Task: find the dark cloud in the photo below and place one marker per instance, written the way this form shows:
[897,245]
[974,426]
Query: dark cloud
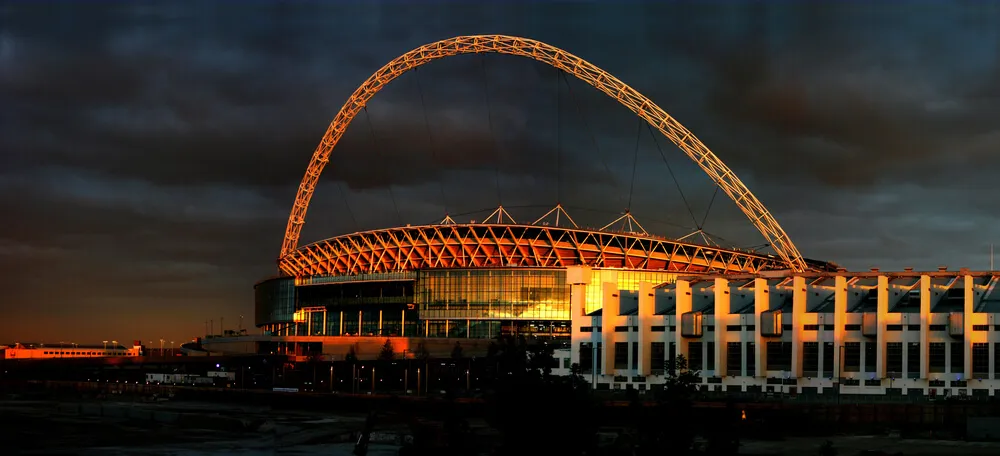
[149,153]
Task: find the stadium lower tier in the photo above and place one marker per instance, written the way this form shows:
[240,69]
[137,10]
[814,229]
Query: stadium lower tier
[906,333]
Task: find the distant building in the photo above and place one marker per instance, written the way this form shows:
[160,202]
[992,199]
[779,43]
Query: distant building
[43,351]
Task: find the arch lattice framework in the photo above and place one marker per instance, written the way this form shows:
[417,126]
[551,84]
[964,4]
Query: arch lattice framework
[721,174]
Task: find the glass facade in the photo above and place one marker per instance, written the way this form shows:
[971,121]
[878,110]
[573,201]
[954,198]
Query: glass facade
[454,303]
[628,280]
[493,294]
[274,301]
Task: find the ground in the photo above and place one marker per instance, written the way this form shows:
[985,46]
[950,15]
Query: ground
[854,445]
[112,428]
[50,428]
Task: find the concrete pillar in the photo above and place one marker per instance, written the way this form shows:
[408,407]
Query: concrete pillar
[577,277]
[646,308]
[611,308]
[925,324]
[761,303]
[839,322]
[882,292]
[968,310]
[685,303]
[799,303]
[722,309]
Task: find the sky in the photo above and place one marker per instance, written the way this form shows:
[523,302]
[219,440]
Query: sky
[149,153]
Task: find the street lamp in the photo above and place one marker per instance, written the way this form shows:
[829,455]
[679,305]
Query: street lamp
[114,345]
[105,347]
[171,348]
[161,347]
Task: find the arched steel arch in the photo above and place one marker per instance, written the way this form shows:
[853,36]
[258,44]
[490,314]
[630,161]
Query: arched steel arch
[555,57]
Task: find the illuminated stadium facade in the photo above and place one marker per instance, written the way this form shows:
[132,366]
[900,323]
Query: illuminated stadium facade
[619,302]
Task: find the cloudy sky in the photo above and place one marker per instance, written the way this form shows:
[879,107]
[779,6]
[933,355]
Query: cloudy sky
[149,155]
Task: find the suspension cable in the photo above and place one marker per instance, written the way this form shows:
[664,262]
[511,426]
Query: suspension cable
[489,116]
[635,162]
[430,138]
[347,204]
[583,116]
[673,176]
[709,209]
[385,169]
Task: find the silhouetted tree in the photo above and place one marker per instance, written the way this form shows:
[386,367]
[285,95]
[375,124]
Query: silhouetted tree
[351,357]
[524,382]
[387,353]
[674,405]
[421,352]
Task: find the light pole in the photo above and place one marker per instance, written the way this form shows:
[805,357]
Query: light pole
[105,348]
[161,347]
[171,348]
[114,345]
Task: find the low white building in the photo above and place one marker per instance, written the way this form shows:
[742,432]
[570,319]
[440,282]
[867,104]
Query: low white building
[914,333]
[57,351]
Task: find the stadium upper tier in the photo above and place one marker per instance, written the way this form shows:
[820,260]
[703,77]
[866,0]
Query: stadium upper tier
[512,245]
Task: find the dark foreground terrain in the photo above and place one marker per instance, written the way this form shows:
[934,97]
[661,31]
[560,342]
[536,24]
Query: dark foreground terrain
[181,428]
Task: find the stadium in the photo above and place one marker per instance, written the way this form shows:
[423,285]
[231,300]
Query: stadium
[617,300]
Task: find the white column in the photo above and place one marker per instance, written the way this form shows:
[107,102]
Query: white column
[609,314]
[799,303]
[839,322]
[721,309]
[645,317]
[685,303]
[967,320]
[883,317]
[761,303]
[925,324]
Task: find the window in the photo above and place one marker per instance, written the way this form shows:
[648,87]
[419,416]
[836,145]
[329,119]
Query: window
[751,360]
[621,355]
[658,357]
[980,360]
[913,360]
[893,359]
[936,355]
[828,360]
[695,356]
[852,357]
[958,357]
[996,360]
[779,356]
[635,355]
[871,359]
[586,357]
[734,359]
[810,359]
[672,352]
[710,357]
